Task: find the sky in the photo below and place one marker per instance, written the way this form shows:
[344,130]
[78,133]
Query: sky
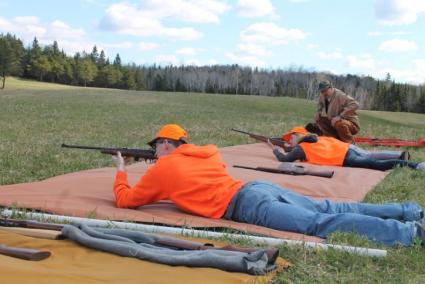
[362,37]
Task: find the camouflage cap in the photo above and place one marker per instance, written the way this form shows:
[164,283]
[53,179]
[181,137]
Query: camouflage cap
[323,85]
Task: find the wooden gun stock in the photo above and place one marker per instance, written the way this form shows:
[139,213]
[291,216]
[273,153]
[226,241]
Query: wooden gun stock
[293,170]
[24,253]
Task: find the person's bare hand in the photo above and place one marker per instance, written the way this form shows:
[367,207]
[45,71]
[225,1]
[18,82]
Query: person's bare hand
[271,145]
[120,162]
[335,120]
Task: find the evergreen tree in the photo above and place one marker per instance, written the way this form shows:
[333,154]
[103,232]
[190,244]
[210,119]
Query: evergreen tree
[117,61]
[102,60]
[85,70]
[6,60]
[94,55]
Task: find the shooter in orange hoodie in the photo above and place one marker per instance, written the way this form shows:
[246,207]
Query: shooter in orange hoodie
[329,151]
[195,179]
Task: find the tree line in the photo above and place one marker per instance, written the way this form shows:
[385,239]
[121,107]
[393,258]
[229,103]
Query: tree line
[51,64]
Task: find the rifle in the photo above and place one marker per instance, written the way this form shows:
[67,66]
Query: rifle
[125,152]
[169,242]
[290,169]
[24,253]
[275,141]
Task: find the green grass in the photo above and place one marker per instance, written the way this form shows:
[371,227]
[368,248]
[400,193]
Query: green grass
[36,118]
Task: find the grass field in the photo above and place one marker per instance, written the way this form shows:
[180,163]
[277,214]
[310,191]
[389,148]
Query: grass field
[36,118]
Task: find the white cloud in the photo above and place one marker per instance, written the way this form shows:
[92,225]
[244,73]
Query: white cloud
[58,29]
[30,20]
[166,59]
[6,26]
[193,62]
[414,74]
[312,46]
[398,45]
[330,55]
[147,19]
[399,33]
[146,46]
[398,12]
[253,49]
[270,34]
[245,60]
[70,39]
[255,8]
[71,47]
[394,33]
[188,51]
[125,18]
[119,45]
[196,11]
[419,71]
[212,62]
[363,61]
[257,38]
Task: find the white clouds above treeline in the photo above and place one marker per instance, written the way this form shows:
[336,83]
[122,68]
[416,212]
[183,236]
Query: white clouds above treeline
[149,17]
[398,12]
[398,45]
[255,8]
[26,28]
[257,40]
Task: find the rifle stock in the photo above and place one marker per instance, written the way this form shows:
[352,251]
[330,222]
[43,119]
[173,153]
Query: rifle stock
[301,170]
[286,171]
[24,253]
[135,153]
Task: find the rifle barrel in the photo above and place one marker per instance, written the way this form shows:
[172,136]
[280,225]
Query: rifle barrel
[82,147]
[240,131]
[244,167]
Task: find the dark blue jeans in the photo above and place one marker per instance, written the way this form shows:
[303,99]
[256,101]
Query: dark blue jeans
[358,159]
[266,204]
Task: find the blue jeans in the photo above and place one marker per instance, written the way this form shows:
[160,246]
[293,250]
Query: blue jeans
[357,159]
[266,204]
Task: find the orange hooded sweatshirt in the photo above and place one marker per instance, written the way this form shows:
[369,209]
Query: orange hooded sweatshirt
[193,177]
[326,151]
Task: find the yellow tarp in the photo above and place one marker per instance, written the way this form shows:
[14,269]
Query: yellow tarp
[72,263]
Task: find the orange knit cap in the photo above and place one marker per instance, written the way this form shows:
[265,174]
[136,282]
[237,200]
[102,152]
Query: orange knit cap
[170,131]
[297,129]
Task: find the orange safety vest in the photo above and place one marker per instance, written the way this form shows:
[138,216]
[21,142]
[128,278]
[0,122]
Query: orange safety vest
[193,177]
[326,151]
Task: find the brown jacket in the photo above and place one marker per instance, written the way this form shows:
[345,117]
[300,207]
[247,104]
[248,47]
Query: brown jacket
[340,104]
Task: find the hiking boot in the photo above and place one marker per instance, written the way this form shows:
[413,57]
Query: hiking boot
[420,166]
[313,128]
[405,155]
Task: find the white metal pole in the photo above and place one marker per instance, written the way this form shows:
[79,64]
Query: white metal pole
[195,233]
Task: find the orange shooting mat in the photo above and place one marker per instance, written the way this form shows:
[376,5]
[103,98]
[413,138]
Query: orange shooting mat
[89,193]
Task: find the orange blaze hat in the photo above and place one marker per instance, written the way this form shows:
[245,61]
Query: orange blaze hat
[170,131]
[297,129]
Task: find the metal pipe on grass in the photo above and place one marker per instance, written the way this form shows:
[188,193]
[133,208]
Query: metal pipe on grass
[196,233]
